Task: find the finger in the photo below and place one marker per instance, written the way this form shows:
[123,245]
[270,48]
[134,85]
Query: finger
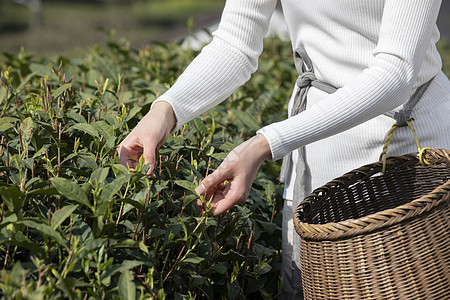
[210,199]
[127,155]
[209,195]
[224,198]
[123,154]
[149,154]
[212,181]
[230,196]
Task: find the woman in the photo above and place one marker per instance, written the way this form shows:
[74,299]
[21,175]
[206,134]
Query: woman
[376,53]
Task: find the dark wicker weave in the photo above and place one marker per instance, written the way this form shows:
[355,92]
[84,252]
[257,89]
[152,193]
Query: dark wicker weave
[368,235]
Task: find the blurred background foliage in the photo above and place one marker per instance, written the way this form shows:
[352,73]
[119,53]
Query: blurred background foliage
[69,27]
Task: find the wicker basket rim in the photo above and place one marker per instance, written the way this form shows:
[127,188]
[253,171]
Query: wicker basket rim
[366,224]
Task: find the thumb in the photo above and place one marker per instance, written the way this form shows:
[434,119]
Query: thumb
[211,181]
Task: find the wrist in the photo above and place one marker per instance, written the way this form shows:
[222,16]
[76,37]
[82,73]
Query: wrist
[262,147]
[165,109]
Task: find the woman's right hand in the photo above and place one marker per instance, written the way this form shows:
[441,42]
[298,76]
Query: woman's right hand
[150,133]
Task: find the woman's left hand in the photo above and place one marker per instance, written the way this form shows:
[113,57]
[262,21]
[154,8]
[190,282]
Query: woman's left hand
[230,183]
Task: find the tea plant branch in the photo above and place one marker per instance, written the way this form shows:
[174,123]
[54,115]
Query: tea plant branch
[141,213]
[144,283]
[3,211]
[203,220]
[175,263]
[182,203]
[273,212]
[238,242]
[19,132]
[234,222]
[6,256]
[121,204]
[1,145]
[147,203]
[247,256]
[7,164]
[59,150]
[215,235]
[119,214]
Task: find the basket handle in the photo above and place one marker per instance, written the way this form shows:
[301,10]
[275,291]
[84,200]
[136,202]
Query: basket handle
[383,156]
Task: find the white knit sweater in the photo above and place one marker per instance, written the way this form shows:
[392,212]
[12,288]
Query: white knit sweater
[376,52]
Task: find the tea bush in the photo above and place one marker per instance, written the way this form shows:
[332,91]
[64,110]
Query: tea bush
[76,224]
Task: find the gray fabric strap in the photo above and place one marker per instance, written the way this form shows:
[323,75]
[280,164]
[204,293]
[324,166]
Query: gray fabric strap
[305,80]
[404,115]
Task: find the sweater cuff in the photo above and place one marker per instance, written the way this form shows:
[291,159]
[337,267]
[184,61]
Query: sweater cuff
[273,138]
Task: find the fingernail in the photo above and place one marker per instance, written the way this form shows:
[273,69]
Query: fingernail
[201,189]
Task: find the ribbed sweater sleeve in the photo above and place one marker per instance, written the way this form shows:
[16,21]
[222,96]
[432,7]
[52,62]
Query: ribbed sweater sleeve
[404,37]
[224,64]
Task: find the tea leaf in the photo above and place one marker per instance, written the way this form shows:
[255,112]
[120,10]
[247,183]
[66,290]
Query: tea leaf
[127,288]
[13,198]
[40,69]
[99,175]
[132,202]
[44,191]
[186,184]
[87,128]
[76,117]
[247,119]
[44,230]
[70,190]
[61,215]
[125,265]
[7,122]
[25,81]
[112,188]
[268,227]
[104,129]
[193,260]
[3,94]
[25,243]
[61,89]
[133,112]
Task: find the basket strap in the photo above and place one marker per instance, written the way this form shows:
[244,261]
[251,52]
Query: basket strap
[404,115]
[403,118]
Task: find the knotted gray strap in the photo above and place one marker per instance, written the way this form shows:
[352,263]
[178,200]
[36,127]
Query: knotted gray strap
[305,80]
[404,115]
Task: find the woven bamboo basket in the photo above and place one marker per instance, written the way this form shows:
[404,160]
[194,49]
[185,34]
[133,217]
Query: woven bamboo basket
[373,235]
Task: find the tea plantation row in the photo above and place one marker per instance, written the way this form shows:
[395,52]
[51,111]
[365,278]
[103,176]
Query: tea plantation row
[76,224]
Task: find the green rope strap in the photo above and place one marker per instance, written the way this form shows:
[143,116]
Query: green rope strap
[383,156]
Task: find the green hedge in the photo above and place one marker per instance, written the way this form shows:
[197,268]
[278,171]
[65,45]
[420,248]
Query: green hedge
[76,224]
